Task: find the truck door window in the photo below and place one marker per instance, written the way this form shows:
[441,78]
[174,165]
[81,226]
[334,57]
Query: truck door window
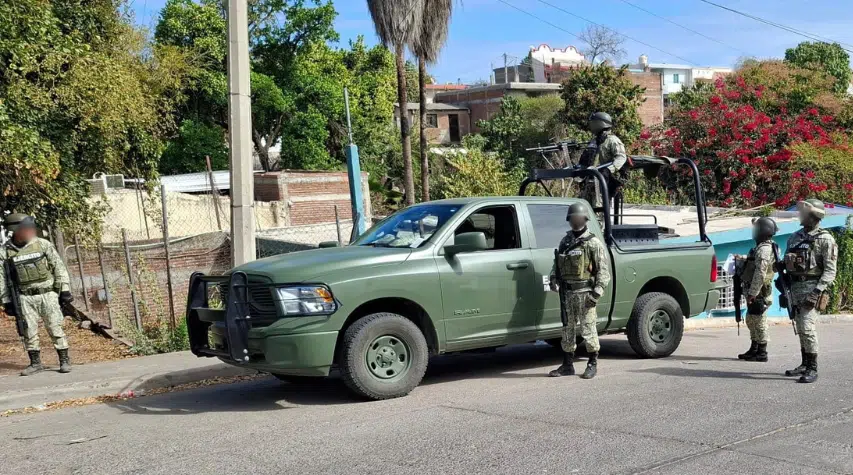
[499,224]
[549,224]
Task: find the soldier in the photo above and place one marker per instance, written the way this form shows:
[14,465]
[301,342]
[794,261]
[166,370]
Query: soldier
[42,280]
[611,151]
[756,276]
[585,275]
[810,261]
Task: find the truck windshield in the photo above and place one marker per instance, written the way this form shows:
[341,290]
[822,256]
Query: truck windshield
[410,227]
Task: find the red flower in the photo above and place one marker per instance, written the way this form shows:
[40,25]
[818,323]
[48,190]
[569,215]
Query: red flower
[813,111]
[809,174]
[727,186]
[645,134]
[716,100]
[797,175]
[746,194]
[830,205]
[708,172]
[848,186]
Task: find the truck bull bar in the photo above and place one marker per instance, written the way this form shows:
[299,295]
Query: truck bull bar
[235,316]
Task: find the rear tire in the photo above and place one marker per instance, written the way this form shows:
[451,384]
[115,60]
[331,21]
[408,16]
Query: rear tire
[383,356]
[656,325]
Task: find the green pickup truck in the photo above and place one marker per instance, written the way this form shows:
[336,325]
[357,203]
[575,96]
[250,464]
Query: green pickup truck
[440,277]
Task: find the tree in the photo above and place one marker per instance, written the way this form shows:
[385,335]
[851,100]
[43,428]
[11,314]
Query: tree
[602,44]
[80,92]
[603,88]
[477,173]
[521,124]
[503,131]
[828,57]
[396,23]
[435,21]
[195,142]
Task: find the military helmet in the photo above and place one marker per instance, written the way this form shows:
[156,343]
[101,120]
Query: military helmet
[763,228]
[599,121]
[812,207]
[15,221]
[577,209]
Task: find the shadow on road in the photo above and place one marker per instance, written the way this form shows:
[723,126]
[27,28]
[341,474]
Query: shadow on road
[710,373]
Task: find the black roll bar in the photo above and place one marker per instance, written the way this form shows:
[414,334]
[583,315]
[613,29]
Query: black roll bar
[538,175]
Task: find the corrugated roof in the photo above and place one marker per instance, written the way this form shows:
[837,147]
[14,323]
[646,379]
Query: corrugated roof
[196,182]
[435,106]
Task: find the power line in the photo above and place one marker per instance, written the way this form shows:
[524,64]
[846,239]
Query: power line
[789,29]
[611,29]
[685,28]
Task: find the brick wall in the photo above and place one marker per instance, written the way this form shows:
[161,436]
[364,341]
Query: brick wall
[310,197]
[651,111]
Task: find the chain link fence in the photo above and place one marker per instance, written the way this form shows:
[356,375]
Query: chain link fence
[135,278]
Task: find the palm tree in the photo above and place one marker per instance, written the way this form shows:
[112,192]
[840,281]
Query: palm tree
[397,23]
[435,20]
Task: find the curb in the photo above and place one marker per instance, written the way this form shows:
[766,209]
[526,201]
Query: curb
[729,322]
[12,400]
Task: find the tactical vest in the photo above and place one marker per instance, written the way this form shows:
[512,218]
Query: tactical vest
[801,261]
[576,262]
[749,269]
[30,263]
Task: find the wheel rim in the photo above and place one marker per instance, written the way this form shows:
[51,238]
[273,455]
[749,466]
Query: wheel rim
[660,326]
[388,358]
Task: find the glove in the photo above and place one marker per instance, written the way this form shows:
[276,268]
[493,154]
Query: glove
[10,310]
[65,297]
[812,298]
[552,282]
[592,299]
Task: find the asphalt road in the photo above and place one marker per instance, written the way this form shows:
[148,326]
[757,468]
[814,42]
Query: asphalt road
[700,411]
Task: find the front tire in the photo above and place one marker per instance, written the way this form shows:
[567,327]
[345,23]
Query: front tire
[656,325]
[383,356]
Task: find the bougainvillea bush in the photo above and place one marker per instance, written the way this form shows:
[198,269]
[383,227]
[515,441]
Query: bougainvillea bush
[760,136]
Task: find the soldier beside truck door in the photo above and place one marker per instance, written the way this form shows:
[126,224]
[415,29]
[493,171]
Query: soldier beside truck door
[42,282]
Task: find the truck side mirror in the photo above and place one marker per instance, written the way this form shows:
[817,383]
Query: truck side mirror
[466,242]
[326,244]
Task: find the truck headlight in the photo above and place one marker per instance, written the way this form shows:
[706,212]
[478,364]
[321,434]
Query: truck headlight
[305,300]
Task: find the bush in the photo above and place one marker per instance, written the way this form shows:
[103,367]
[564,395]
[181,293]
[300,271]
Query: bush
[157,337]
[841,292]
[475,172]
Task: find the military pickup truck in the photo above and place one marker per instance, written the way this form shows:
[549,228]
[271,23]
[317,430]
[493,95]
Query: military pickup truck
[440,277]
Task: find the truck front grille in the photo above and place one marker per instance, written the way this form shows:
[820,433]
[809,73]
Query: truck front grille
[262,307]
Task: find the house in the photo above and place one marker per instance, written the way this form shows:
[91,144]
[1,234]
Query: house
[446,124]
[543,58]
[433,89]
[678,76]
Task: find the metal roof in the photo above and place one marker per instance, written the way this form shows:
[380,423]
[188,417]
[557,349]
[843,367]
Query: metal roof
[196,182]
[435,106]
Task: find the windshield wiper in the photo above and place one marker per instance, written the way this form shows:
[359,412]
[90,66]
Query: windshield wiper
[376,244]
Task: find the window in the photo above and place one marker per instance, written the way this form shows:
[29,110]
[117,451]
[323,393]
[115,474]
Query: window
[676,79]
[410,227]
[549,224]
[497,223]
[432,121]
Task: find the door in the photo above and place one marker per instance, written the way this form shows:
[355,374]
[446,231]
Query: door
[548,225]
[454,128]
[486,294]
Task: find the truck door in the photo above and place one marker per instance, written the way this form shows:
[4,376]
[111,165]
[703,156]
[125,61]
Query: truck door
[486,294]
[548,225]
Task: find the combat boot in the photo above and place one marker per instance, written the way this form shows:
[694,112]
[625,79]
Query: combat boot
[760,354]
[35,363]
[753,346]
[591,366]
[565,369]
[810,375]
[799,369]
[64,361]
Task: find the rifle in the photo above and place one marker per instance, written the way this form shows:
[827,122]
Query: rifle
[738,295]
[783,284]
[14,295]
[564,317]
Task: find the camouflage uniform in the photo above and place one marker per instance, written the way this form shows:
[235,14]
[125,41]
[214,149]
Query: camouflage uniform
[583,285]
[610,150]
[821,259]
[757,278]
[40,290]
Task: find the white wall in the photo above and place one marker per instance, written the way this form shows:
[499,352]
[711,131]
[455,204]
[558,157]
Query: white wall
[544,54]
[669,84]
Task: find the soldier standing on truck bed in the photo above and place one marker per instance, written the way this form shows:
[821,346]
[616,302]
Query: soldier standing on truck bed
[585,274]
[810,261]
[41,279]
[756,275]
[611,151]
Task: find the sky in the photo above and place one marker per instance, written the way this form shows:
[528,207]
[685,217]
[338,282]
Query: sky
[481,31]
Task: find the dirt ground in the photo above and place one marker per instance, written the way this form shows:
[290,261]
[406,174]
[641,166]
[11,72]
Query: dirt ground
[86,346]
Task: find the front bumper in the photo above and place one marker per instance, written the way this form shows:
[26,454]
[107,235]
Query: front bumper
[227,333]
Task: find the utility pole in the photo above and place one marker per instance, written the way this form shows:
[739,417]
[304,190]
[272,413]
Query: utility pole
[240,136]
[506,77]
[354,175]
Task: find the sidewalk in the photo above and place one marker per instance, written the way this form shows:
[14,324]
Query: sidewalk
[139,375]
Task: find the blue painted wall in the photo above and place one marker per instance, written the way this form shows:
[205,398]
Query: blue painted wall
[740,241]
